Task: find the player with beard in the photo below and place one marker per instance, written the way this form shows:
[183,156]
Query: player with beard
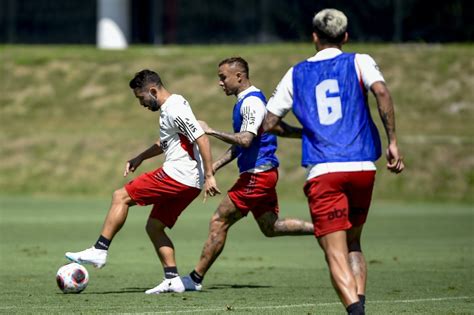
[170,188]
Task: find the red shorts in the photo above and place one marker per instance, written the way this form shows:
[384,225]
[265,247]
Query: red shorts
[169,197]
[338,201]
[255,192]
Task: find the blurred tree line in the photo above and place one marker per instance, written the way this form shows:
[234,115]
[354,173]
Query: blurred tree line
[238,21]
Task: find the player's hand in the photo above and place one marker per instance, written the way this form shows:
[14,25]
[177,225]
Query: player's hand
[204,126]
[210,187]
[132,165]
[394,159]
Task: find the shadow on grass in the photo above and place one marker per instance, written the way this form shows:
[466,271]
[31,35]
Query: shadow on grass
[237,286]
[124,290]
[214,287]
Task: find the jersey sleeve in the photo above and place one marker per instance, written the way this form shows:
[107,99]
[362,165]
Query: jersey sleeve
[253,112]
[184,119]
[281,101]
[368,70]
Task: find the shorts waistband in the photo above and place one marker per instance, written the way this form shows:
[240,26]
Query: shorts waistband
[334,167]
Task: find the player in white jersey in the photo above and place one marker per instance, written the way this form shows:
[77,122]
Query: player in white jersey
[171,188]
[340,144]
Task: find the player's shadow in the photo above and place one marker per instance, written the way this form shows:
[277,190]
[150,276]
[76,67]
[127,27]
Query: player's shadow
[124,290]
[214,287]
[237,286]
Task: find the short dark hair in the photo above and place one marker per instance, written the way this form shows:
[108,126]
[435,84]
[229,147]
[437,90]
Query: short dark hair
[144,78]
[239,61]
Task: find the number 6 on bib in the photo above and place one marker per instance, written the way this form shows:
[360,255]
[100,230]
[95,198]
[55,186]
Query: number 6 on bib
[329,107]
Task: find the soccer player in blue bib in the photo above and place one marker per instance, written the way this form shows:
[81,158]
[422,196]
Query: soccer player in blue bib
[255,189]
[340,144]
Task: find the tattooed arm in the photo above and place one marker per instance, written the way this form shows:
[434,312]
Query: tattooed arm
[282,129]
[387,114]
[271,122]
[225,159]
[242,139]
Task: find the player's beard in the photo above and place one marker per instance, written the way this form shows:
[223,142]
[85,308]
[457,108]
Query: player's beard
[153,105]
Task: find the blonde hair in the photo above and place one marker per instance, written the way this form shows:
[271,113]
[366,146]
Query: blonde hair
[330,25]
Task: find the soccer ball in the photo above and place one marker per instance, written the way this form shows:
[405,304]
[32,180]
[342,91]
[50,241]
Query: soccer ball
[72,278]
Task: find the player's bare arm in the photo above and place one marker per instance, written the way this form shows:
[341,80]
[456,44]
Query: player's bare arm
[282,129]
[387,114]
[134,163]
[210,185]
[270,122]
[242,139]
[225,159]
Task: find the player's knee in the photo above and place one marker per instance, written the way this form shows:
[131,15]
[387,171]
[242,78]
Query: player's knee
[120,196]
[218,223]
[152,228]
[333,256]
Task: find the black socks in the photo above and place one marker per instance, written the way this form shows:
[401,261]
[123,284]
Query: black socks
[196,277]
[362,300]
[355,309]
[102,243]
[171,272]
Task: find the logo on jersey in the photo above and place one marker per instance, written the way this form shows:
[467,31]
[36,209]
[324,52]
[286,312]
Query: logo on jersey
[186,127]
[249,118]
[190,125]
[378,69]
[274,92]
[337,214]
[164,145]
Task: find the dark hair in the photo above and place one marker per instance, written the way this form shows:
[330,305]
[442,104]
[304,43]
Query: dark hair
[325,38]
[144,78]
[240,62]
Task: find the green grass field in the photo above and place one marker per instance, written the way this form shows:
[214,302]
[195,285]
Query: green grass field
[69,121]
[420,257]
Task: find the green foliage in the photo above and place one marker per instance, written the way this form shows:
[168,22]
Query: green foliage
[69,121]
[419,259]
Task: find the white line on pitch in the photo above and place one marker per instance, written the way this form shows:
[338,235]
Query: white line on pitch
[243,308]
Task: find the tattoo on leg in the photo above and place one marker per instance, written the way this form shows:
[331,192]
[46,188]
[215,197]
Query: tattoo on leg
[272,226]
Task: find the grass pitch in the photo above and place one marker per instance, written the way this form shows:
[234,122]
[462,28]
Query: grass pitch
[420,259]
[67,115]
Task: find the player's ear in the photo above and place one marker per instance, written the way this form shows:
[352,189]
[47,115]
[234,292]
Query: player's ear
[346,38]
[154,91]
[315,37]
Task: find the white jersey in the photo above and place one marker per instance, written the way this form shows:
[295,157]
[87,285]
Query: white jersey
[179,130]
[281,103]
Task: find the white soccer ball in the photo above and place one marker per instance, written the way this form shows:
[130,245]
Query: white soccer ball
[72,278]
